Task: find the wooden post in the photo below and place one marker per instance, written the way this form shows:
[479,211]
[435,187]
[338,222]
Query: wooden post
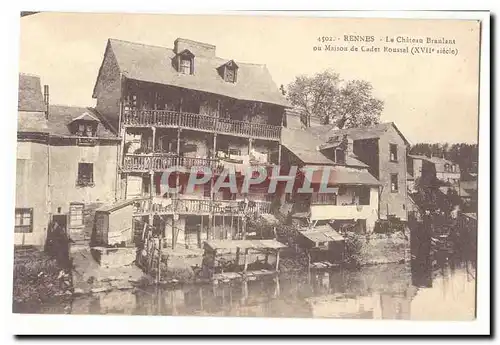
[159,261]
[174,235]
[232,220]
[244,225]
[250,140]
[200,231]
[154,138]
[279,154]
[210,232]
[245,260]
[224,227]
[237,256]
[277,259]
[215,145]
[151,185]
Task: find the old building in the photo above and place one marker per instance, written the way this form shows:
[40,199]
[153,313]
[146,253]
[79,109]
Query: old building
[353,193]
[83,170]
[66,163]
[32,180]
[383,148]
[438,167]
[187,107]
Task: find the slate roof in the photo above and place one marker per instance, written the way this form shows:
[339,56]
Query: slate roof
[358,133]
[30,94]
[305,146]
[31,121]
[342,175]
[154,64]
[60,116]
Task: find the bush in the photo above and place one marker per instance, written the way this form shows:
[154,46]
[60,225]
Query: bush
[37,276]
[353,246]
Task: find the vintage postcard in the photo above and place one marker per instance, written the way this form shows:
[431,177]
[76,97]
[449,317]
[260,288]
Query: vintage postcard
[247,166]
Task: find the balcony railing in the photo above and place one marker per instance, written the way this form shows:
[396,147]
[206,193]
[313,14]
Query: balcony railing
[161,162]
[168,118]
[200,206]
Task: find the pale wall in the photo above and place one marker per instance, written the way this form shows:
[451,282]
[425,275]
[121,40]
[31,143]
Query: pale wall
[31,190]
[338,212]
[64,173]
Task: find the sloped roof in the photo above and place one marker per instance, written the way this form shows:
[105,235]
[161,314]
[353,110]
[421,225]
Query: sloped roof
[154,64]
[60,116]
[341,175]
[305,146]
[322,233]
[30,94]
[358,133]
[418,156]
[438,160]
[31,121]
[85,117]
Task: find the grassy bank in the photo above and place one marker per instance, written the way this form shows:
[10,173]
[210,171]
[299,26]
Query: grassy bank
[38,277]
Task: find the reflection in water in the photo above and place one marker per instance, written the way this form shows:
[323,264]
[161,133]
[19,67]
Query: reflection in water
[394,291]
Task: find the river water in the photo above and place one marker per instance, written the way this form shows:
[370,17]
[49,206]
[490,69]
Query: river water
[417,291]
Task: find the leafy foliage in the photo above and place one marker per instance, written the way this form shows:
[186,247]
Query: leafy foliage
[344,103]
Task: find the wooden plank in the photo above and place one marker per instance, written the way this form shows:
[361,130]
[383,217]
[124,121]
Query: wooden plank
[245,260]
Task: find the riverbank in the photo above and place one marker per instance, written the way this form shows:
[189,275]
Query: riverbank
[38,277]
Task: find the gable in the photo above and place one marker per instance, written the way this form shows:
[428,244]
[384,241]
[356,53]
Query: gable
[109,69]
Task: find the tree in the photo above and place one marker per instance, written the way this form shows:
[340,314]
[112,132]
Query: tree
[343,103]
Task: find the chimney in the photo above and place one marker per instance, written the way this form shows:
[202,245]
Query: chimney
[197,48]
[46,100]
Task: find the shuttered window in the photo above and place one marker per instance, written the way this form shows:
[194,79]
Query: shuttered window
[75,215]
[24,220]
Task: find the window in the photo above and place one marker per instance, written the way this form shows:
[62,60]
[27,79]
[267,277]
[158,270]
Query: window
[230,75]
[24,220]
[85,174]
[339,156]
[185,67]
[81,128]
[393,148]
[85,129]
[394,183]
[75,215]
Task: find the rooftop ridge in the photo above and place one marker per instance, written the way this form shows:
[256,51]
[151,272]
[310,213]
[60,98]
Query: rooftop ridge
[199,57]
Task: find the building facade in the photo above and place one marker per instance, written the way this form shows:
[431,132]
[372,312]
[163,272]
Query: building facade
[383,149]
[441,168]
[185,107]
[66,164]
[32,192]
[353,193]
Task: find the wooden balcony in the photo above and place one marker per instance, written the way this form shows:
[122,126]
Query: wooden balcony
[161,162]
[165,118]
[163,206]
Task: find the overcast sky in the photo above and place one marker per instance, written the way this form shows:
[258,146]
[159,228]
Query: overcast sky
[432,98]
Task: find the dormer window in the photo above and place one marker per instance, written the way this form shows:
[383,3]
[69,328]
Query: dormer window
[185,62]
[84,125]
[229,71]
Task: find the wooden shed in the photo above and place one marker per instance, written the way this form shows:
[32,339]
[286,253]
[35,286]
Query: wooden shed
[113,224]
[323,244]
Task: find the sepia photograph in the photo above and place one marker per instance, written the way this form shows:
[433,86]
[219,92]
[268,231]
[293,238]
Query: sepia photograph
[264,166]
